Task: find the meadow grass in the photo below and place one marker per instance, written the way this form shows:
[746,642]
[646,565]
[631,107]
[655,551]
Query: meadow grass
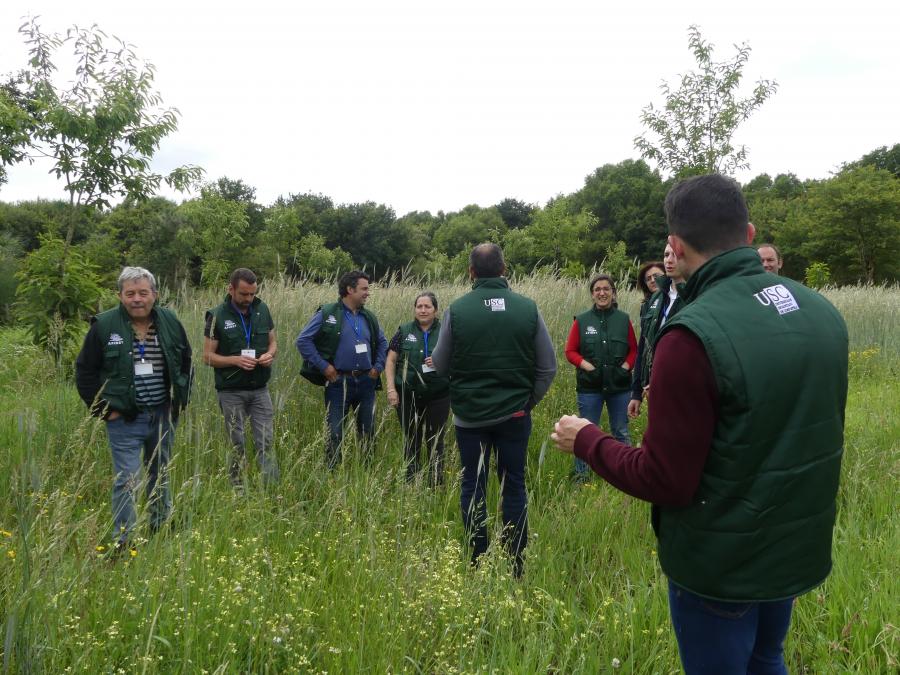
[357,571]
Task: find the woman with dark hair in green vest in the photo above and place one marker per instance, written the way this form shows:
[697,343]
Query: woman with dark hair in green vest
[603,349]
[420,395]
[646,282]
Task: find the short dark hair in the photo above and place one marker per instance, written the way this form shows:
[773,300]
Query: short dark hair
[486,260]
[771,246]
[351,279]
[601,277]
[241,274]
[709,213]
[426,294]
[642,272]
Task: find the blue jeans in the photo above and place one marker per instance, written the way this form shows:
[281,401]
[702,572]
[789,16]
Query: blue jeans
[510,441]
[590,405]
[146,440]
[341,397]
[729,638]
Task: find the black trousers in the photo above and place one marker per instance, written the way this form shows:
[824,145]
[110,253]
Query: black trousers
[423,420]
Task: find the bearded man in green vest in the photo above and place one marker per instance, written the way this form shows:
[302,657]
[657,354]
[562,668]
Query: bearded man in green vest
[497,352]
[134,371]
[742,453]
[239,342]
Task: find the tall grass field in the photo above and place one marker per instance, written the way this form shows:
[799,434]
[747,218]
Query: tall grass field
[356,571]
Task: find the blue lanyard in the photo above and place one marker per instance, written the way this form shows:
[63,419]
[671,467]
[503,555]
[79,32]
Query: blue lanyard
[353,323]
[141,349]
[248,327]
[425,334]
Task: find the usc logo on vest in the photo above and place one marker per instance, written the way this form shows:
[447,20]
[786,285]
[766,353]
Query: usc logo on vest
[495,304]
[779,297]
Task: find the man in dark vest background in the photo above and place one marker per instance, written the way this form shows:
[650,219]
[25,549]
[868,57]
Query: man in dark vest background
[496,349]
[344,350]
[742,453]
[134,371]
[239,342]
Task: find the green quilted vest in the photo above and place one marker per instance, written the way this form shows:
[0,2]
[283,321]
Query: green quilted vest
[760,525]
[329,336]
[410,359]
[493,358]
[232,339]
[603,341]
[117,336]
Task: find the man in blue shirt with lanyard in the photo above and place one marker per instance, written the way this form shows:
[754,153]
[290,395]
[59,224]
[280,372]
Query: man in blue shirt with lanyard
[344,350]
[240,344]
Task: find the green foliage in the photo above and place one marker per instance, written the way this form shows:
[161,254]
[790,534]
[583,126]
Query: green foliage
[47,303]
[884,158]
[470,227]
[852,223]
[215,228]
[16,124]
[10,254]
[818,275]
[619,266]
[558,232]
[692,133]
[316,261]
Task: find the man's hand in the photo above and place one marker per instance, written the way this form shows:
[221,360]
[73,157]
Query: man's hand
[429,362]
[634,407]
[113,415]
[565,431]
[374,374]
[265,359]
[245,362]
[331,373]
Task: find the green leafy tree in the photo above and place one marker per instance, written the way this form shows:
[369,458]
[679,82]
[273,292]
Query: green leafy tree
[11,253]
[317,261]
[44,306]
[471,226]
[558,233]
[852,223]
[818,275]
[215,229]
[515,213]
[881,158]
[16,124]
[692,132]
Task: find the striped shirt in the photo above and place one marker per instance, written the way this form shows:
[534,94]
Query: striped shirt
[150,390]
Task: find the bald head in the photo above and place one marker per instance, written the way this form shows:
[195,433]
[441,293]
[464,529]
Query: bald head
[486,260]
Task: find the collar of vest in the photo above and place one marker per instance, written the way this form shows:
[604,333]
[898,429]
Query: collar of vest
[126,317]
[603,312]
[226,303]
[738,262]
[490,282]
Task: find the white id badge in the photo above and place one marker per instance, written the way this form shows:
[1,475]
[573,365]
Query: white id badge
[249,352]
[362,348]
[143,368]
[427,369]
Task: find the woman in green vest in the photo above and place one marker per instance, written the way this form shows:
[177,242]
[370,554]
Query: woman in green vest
[420,395]
[603,349]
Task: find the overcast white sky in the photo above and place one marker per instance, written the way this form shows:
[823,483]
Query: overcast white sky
[427,105]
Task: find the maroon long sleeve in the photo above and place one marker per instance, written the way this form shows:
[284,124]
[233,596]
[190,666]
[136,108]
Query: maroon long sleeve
[666,468]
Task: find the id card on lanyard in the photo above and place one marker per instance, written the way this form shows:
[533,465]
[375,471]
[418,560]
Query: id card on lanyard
[425,367]
[248,332]
[142,368]
[361,347]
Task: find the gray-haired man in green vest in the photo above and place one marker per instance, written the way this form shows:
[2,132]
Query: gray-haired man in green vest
[495,347]
[134,370]
[239,342]
[742,453]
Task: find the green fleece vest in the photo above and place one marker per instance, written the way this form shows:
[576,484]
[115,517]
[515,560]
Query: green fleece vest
[652,322]
[232,339]
[760,525]
[329,336]
[603,341]
[492,364]
[117,372]
[409,376]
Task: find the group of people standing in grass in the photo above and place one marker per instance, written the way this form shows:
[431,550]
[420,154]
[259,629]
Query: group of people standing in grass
[744,372]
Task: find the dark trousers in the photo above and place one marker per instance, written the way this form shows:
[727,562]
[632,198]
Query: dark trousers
[342,397]
[729,638]
[423,420]
[509,440]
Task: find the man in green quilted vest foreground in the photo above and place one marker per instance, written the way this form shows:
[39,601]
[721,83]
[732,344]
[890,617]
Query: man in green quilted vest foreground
[134,371]
[742,453]
[239,342]
[495,347]
[344,350]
